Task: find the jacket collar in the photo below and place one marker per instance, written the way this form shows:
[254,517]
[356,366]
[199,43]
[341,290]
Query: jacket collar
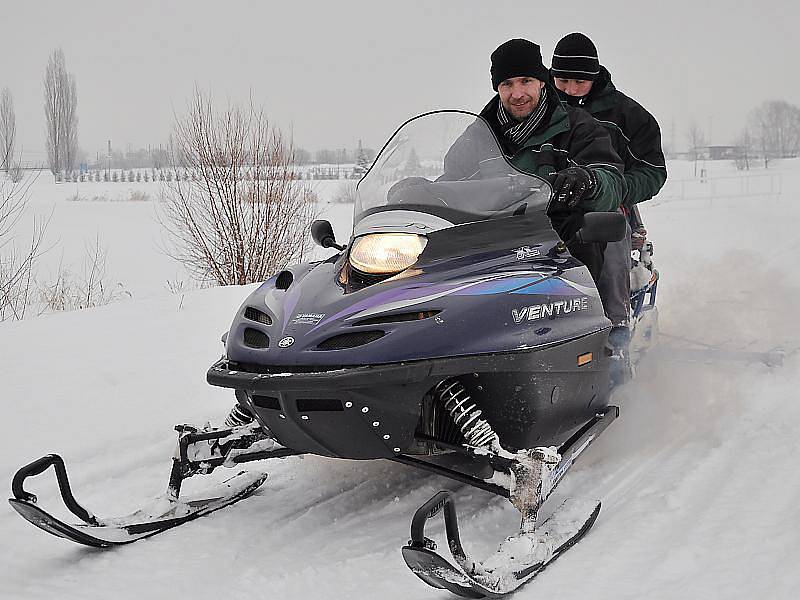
[599,98]
[556,123]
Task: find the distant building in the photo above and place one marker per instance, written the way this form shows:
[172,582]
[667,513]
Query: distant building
[722,152]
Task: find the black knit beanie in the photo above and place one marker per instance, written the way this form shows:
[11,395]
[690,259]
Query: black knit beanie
[517,58]
[575,57]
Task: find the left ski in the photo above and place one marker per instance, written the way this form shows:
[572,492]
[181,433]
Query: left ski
[165,513]
[518,560]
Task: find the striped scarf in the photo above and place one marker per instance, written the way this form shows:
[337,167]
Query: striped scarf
[519,132]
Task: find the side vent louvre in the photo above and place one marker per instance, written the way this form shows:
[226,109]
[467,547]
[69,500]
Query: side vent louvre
[266,402]
[284,280]
[256,315]
[350,340]
[399,318]
[318,404]
[254,338]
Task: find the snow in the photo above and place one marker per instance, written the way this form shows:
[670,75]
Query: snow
[698,476]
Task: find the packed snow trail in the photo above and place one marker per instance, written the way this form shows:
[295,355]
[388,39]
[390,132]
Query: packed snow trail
[698,476]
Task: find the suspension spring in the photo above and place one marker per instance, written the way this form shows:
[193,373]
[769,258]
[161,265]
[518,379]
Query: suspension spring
[466,415]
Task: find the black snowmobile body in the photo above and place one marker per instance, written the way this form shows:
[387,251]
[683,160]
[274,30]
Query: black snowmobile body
[338,362]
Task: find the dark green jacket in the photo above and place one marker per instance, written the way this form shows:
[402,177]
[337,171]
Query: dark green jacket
[634,133]
[567,137]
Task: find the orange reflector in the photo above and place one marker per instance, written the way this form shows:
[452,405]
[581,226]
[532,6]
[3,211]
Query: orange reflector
[584,359]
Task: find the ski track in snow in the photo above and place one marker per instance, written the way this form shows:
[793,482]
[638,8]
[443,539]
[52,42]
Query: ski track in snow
[698,477]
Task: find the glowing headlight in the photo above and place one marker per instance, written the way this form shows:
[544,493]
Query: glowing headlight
[382,253]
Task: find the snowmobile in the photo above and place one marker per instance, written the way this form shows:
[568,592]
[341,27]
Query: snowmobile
[454,333]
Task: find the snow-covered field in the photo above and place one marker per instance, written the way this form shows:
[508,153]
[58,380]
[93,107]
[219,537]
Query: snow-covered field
[698,477]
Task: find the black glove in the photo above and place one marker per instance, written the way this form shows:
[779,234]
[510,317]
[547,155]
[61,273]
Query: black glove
[573,184]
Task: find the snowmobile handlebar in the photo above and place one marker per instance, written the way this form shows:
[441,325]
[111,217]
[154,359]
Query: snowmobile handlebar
[38,467]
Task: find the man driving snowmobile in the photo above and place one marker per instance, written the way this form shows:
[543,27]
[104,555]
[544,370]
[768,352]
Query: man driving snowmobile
[541,136]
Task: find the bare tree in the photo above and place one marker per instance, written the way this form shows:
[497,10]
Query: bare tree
[60,108]
[776,129]
[16,266]
[8,129]
[246,215]
[744,144]
[697,140]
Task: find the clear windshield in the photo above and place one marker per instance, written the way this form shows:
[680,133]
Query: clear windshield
[448,162]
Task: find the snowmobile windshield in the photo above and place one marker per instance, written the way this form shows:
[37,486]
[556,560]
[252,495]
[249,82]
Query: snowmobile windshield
[449,164]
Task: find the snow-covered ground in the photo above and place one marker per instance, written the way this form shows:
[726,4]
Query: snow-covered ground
[698,477]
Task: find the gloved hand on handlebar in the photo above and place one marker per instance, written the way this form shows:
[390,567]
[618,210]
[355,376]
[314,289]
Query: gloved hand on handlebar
[573,184]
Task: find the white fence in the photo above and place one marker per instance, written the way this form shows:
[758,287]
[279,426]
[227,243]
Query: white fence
[760,185]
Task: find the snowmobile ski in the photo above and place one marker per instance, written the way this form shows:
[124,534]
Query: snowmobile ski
[199,452]
[518,560]
[140,524]
[521,557]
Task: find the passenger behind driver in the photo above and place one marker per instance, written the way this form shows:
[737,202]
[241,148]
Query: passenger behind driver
[583,82]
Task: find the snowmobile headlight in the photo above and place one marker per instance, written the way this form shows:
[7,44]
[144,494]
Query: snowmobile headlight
[385,253]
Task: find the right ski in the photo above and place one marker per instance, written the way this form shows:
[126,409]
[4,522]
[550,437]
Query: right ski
[519,559]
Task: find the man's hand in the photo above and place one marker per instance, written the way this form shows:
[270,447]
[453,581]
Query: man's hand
[572,185]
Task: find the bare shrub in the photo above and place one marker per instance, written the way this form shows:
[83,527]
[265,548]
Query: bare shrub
[132,196]
[138,196]
[17,266]
[345,193]
[225,228]
[15,172]
[85,289]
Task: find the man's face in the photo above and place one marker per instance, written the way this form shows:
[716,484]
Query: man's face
[573,87]
[520,95]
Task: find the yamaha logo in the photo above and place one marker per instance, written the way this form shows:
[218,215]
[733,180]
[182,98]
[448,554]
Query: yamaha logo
[286,342]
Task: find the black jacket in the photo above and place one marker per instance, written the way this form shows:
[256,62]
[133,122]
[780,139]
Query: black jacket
[566,137]
[634,133]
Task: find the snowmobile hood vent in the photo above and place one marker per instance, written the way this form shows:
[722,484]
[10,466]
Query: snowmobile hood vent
[399,318]
[284,280]
[254,338]
[350,340]
[256,315]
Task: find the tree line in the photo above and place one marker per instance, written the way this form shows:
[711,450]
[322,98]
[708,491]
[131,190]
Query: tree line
[772,131]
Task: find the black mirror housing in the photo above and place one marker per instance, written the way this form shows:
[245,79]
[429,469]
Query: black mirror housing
[322,234]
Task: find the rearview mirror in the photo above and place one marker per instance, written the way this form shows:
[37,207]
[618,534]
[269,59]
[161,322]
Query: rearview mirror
[602,227]
[322,234]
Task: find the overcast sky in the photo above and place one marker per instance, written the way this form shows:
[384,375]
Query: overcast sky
[334,72]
